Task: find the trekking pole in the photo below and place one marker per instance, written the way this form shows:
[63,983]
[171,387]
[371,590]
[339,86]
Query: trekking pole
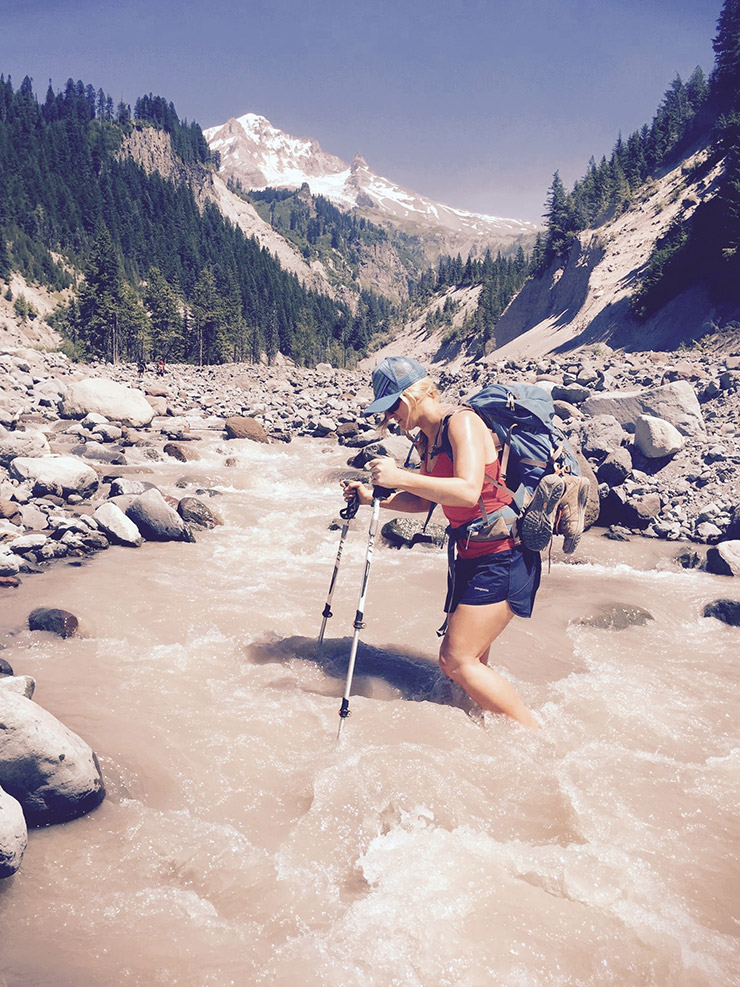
[347,513]
[379,493]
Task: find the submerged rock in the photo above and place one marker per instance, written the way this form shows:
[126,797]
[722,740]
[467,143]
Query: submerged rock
[728,611]
[618,618]
[52,619]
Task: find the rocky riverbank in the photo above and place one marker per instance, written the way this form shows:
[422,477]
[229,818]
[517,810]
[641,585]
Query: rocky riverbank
[80,447]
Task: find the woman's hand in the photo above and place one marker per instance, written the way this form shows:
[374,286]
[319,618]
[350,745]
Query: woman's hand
[385,473]
[355,489]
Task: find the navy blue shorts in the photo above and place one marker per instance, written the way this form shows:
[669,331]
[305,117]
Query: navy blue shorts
[513,575]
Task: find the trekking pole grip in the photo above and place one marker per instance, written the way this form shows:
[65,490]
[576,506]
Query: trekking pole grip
[382,493]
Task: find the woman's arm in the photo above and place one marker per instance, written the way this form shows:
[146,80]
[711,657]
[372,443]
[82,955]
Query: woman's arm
[469,438]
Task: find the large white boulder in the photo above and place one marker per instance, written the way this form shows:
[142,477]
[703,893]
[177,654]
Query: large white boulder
[72,475]
[13,834]
[656,438]
[676,403]
[114,523]
[107,397]
[30,442]
[50,770]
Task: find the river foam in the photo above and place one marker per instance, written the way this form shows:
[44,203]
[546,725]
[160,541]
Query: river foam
[240,843]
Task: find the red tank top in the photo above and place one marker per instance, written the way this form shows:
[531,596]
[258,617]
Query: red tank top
[493,499]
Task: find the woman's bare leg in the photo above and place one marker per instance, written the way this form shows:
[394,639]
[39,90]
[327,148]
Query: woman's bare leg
[463,656]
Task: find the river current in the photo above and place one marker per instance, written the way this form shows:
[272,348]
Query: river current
[241,843]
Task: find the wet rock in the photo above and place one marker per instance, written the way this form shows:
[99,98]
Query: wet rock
[5,667]
[115,401]
[618,618]
[728,611]
[724,559]
[72,475]
[156,520]
[407,532]
[54,620]
[197,513]
[656,438]
[9,564]
[122,486]
[238,427]
[184,453]
[50,770]
[120,528]
[688,560]
[29,443]
[9,582]
[13,834]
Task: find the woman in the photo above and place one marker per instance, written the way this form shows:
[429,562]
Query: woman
[493,579]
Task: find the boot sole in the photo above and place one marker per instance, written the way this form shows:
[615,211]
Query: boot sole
[539,519]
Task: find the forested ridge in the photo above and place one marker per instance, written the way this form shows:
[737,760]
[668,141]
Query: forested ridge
[700,112]
[152,273]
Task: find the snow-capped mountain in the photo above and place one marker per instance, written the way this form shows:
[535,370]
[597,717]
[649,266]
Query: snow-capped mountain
[259,155]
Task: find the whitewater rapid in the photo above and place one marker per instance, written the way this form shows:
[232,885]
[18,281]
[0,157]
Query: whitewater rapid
[241,844]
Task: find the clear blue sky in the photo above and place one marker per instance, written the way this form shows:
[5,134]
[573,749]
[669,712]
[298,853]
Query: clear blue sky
[474,103]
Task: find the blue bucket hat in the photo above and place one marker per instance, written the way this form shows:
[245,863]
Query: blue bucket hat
[391,377]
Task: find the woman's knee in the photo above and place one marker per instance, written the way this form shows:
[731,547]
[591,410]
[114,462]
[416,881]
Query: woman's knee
[452,663]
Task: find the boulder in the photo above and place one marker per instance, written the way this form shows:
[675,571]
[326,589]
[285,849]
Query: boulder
[29,443]
[23,685]
[13,834]
[238,427]
[117,526]
[615,468]
[107,397]
[601,435]
[197,513]
[71,474]
[50,770]
[407,532]
[11,511]
[724,559]
[657,438]
[571,393]
[54,620]
[124,486]
[156,520]
[676,403]
[728,611]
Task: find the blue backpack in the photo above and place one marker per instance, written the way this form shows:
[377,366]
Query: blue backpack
[532,446]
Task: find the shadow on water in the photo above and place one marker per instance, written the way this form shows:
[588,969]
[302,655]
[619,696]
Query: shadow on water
[379,673]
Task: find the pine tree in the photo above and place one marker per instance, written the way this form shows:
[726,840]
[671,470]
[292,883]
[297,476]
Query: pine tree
[725,81]
[164,314]
[99,299]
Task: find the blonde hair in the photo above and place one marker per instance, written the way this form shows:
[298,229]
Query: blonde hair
[413,394]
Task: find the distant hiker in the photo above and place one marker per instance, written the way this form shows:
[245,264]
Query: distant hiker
[494,575]
[160,368]
[141,367]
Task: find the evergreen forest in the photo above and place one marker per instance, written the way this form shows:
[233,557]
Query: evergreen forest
[151,273]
